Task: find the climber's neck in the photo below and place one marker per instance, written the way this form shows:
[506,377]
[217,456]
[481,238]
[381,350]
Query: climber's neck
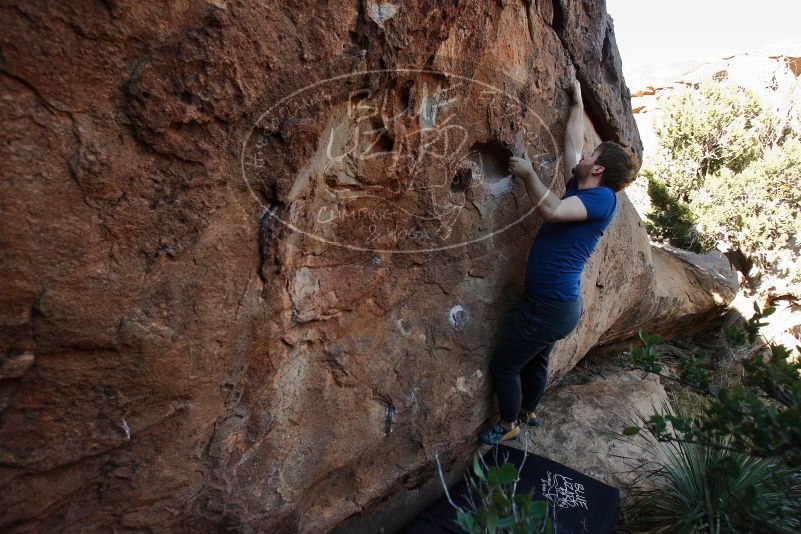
[593,180]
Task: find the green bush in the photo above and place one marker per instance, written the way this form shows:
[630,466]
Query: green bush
[672,220]
[714,127]
[757,210]
[723,173]
[713,488]
[494,506]
[735,466]
[761,415]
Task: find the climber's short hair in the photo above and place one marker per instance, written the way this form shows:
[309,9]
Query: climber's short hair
[619,163]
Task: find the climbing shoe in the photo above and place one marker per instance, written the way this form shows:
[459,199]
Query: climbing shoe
[497,434]
[528,418]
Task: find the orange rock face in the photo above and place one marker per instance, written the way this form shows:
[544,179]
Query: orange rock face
[255,256]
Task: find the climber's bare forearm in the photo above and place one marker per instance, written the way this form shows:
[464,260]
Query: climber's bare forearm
[574,138]
[543,199]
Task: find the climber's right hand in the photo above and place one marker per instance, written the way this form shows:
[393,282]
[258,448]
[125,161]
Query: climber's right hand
[521,167]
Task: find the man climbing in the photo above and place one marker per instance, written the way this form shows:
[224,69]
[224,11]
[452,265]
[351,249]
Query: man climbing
[551,304]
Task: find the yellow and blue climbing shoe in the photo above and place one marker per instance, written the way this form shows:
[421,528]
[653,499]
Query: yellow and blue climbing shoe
[528,418]
[497,434]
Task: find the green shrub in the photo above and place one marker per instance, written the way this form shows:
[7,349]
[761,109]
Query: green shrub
[724,173]
[761,415]
[714,127]
[712,488]
[735,465]
[672,220]
[757,210]
[494,505]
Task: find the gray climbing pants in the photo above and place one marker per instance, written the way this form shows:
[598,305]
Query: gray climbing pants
[519,365]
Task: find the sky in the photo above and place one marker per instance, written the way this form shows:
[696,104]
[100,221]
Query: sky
[651,31]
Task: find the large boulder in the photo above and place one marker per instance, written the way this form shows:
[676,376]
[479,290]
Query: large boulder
[255,256]
[583,426]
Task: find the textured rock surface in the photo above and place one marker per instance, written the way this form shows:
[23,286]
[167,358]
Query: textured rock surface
[582,424]
[174,358]
[680,292]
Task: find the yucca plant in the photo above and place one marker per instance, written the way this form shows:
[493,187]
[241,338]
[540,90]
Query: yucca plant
[712,488]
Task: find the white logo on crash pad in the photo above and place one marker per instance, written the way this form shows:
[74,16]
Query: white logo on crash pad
[563,492]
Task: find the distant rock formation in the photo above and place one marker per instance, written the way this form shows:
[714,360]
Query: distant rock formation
[773,74]
[255,256]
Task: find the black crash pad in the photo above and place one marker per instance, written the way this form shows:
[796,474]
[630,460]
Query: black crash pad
[583,505]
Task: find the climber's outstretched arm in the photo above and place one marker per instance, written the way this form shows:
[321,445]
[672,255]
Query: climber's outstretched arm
[551,207]
[543,199]
[574,135]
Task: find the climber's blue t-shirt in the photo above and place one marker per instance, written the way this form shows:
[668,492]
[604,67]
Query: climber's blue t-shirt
[560,250]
